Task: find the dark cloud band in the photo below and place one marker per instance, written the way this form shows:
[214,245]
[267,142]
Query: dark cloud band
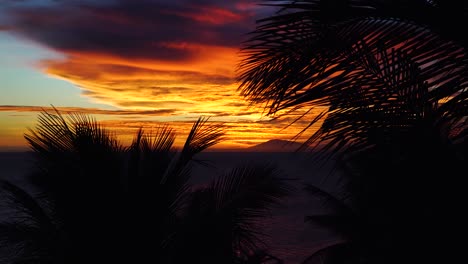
[133,29]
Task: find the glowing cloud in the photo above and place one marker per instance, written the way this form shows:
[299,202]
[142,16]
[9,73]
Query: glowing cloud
[158,60]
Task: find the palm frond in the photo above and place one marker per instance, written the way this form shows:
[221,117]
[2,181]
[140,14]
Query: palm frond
[59,141]
[150,156]
[27,244]
[264,183]
[28,233]
[201,136]
[258,257]
[17,238]
[333,254]
[31,212]
[55,132]
[51,134]
[160,141]
[228,213]
[246,195]
[357,55]
[328,199]
[395,99]
[340,218]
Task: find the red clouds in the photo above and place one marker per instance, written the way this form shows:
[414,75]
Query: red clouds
[213,15]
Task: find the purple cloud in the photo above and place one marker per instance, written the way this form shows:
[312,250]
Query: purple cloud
[132,28]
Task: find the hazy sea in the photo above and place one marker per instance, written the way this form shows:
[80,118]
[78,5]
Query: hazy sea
[289,237]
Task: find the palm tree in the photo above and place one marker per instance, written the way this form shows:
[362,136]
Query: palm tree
[394,81]
[402,197]
[315,53]
[97,194]
[79,169]
[109,203]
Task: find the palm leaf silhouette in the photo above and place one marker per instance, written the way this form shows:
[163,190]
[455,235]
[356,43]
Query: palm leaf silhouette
[341,218]
[30,230]
[393,80]
[222,220]
[313,54]
[333,254]
[97,187]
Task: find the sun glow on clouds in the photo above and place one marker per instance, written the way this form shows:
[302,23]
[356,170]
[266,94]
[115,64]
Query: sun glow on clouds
[198,86]
[240,133]
[156,61]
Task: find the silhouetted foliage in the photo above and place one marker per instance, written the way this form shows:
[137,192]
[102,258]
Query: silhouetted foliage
[330,53]
[222,221]
[32,236]
[394,80]
[107,203]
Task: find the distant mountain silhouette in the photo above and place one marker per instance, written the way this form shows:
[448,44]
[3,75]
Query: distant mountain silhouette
[275,145]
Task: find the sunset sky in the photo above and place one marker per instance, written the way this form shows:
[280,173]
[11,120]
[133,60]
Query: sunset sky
[130,64]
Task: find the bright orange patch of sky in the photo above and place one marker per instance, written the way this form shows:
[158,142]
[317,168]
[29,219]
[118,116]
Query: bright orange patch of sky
[144,77]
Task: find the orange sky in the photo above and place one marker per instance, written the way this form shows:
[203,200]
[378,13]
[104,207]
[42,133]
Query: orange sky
[135,64]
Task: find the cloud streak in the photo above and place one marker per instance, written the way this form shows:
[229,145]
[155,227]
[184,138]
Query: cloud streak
[125,123]
[91,111]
